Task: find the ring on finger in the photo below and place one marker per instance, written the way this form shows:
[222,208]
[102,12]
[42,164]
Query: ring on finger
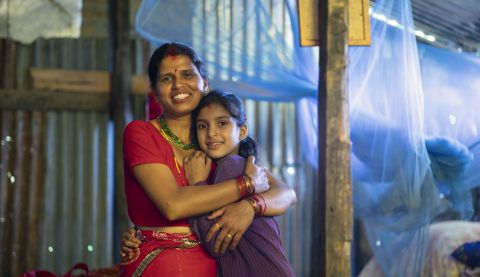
[229,236]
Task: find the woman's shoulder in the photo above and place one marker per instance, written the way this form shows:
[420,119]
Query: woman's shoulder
[142,142]
[139,131]
[139,126]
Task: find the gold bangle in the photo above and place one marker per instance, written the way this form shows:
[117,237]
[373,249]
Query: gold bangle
[253,203]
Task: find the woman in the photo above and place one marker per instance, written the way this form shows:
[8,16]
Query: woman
[158,198]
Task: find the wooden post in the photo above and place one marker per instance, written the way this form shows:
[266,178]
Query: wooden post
[335,194]
[7,220]
[21,187]
[121,109]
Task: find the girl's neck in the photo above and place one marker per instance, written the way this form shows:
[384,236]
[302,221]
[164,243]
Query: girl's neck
[218,160]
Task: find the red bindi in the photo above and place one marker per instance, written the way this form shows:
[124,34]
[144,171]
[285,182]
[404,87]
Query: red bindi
[172,53]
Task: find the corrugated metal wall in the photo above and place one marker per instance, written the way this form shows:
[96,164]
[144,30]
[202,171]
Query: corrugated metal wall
[77,213]
[56,169]
[273,126]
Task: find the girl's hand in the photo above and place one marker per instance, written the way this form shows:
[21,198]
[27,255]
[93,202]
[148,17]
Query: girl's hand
[129,243]
[233,221]
[257,174]
[197,167]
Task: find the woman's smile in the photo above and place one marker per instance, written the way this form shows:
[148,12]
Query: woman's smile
[181,97]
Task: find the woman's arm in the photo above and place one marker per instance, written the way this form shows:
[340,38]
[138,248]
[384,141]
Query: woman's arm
[234,219]
[177,202]
[147,161]
[279,197]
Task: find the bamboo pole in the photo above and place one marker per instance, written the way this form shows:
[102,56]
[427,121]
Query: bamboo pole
[335,194]
[7,220]
[121,109]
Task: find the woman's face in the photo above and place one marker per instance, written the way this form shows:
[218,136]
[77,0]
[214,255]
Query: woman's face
[217,132]
[179,85]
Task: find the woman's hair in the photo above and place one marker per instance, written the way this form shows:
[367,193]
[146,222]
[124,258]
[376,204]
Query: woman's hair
[172,49]
[235,108]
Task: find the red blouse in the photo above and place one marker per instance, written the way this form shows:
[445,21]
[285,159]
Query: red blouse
[143,144]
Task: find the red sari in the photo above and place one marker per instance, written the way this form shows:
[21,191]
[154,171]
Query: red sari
[167,254]
[160,254]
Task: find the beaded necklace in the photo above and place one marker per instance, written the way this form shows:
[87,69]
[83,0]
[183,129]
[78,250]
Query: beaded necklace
[178,171]
[166,130]
[174,159]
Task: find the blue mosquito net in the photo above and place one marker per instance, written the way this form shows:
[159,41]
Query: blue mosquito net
[414,132]
[413,116]
[250,47]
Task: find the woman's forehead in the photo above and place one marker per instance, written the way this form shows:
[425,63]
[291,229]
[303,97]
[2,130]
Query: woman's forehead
[175,63]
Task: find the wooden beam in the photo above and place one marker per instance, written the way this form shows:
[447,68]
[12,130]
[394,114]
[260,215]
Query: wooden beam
[335,194]
[87,81]
[140,85]
[95,18]
[358,22]
[16,99]
[121,109]
[71,80]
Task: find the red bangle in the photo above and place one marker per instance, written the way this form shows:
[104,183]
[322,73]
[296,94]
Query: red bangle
[258,204]
[249,183]
[242,186]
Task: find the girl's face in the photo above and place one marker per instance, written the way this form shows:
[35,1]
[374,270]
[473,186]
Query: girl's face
[218,133]
[179,85]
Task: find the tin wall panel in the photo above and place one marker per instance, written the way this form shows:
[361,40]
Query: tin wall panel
[273,126]
[77,226]
[56,168]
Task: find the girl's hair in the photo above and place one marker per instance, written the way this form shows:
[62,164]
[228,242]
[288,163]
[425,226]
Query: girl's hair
[172,49]
[235,108]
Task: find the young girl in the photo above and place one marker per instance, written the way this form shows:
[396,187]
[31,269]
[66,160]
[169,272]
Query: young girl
[220,131]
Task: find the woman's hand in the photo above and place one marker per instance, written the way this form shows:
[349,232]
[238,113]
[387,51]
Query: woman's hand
[197,167]
[257,174]
[129,243]
[233,221]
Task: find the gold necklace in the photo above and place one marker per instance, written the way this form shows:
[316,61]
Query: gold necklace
[174,159]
